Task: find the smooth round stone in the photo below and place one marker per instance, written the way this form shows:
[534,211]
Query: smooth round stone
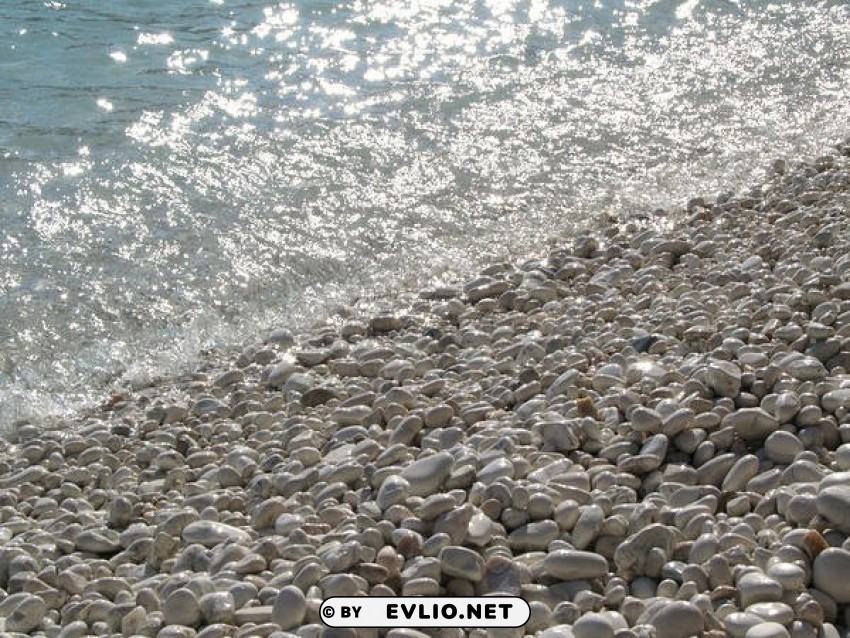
[588,526]
[835,399]
[540,506]
[212,533]
[182,608]
[792,577]
[724,377]
[755,587]
[22,612]
[351,415]
[673,619]
[289,608]
[751,424]
[593,626]
[772,612]
[801,509]
[782,447]
[394,489]
[426,474]
[738,623]
[571,564]
[806,369]
[645,420]
[830,574]
[120,512]
[742,471]
[287,523]
[786,406]
[461,562]
[98,541]
[217,607]
[499,468]
[767,630]
[833,503]
[438,416]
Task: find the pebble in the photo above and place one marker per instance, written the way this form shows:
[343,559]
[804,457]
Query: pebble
[426,474]
[773,612]
[751,424]
[767,630]
[833,503]
[461,562]
[211,533]
[289,608]
[534,536]
[724,378]
[829,574]
[782,447]
[738,623]
[673,619]
[593,625]
[567,564]
[22,612]
[182,607]
[756,587]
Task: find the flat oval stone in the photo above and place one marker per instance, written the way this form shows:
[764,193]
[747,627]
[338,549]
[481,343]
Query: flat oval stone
[782,447]
[806,369]
[572,564]
[496,469]
[534,536]
[673,619]
[792,577]
[742,471]
[98,541]
[772,612]
[755,587]
[211,533]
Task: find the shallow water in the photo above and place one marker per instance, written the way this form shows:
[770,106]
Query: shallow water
[182,174]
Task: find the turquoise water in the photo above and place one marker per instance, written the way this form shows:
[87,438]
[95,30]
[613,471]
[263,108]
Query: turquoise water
[181,174]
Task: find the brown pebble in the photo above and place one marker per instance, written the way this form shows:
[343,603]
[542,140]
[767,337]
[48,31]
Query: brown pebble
[815,543]
[586,408]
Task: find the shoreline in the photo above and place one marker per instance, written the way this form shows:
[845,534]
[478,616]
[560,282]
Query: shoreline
[645,432]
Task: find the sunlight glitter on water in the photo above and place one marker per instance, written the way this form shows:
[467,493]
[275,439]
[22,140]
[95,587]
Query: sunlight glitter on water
[251,165]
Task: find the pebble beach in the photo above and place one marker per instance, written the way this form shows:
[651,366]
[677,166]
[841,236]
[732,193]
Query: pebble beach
[642,432]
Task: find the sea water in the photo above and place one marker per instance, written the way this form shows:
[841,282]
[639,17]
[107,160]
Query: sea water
[181,174]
